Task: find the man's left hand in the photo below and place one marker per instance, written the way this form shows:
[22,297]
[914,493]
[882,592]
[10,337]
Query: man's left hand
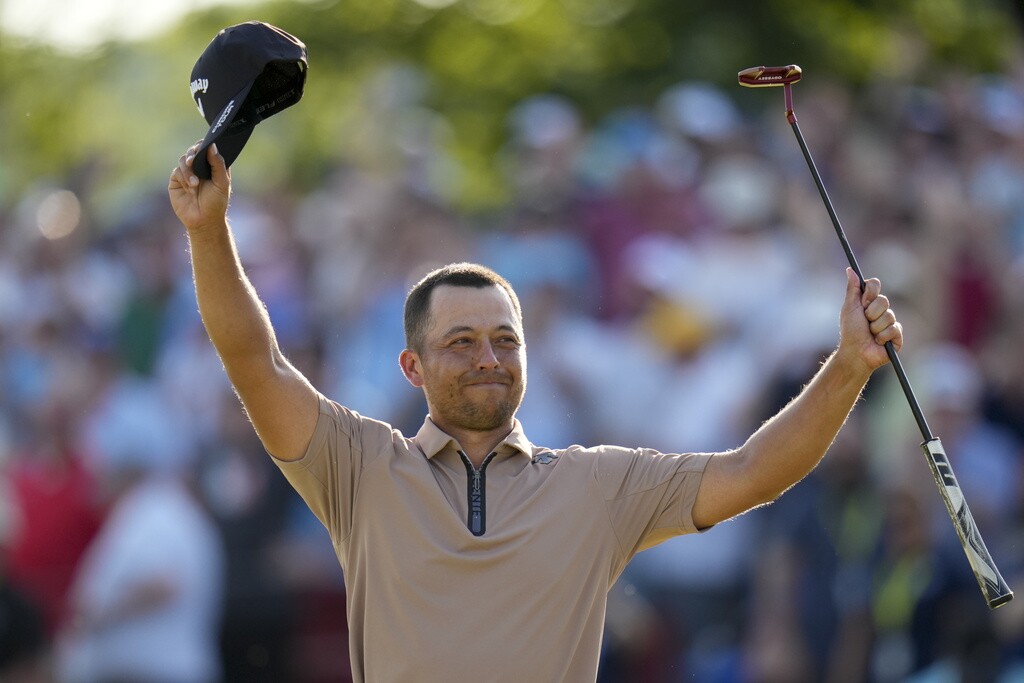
[866,323]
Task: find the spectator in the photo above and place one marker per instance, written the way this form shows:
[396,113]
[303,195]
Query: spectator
[146,602]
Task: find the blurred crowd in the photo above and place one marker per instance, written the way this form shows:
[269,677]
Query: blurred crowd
[680,280]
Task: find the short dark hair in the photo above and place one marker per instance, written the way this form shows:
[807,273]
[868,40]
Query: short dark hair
[417,302]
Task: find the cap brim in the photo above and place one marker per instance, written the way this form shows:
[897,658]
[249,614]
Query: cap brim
[230,138]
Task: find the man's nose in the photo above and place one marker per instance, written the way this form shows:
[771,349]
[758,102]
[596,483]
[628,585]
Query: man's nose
[487,359]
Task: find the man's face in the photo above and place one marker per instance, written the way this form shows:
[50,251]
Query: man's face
[473,363]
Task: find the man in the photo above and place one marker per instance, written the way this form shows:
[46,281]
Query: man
[469,553]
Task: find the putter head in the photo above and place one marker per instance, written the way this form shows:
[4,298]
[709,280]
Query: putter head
[769,76]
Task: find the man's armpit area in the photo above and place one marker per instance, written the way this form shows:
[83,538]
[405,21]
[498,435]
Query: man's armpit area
[327,411]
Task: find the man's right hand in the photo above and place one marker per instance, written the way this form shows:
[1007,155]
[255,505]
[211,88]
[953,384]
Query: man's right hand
[200,203]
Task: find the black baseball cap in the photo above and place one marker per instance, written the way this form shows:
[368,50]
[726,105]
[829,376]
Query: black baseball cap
[249,72]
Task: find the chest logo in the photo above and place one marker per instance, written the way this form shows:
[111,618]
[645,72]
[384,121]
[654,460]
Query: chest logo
[545,458]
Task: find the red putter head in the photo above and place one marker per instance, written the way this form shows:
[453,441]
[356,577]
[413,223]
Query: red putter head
[769,76]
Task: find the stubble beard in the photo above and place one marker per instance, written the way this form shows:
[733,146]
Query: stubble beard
[481,416]
[486,418]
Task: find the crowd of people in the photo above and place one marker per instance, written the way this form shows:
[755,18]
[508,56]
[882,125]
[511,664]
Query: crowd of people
[144,529]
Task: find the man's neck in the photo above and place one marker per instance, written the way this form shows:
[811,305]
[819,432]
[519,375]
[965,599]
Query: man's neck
[477,445]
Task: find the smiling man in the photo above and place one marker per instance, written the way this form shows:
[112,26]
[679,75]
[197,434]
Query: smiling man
[464,333]
[470,553]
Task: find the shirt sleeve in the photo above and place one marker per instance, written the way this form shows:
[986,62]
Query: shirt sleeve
[649,495]
[327,475]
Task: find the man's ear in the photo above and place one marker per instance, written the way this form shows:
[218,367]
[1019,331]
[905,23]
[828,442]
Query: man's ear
[411,367]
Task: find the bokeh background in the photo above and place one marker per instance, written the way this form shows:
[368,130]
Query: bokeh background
[680,281]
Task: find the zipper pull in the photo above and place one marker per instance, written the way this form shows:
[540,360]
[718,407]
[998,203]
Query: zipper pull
[476,504]
[475,491]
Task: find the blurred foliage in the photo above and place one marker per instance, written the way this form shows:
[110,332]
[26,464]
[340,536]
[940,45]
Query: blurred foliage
[390,75]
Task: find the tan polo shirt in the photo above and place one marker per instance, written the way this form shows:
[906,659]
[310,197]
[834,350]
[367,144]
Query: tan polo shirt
[500,574]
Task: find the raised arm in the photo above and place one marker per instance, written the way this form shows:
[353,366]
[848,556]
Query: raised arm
[280,402]
[789,445]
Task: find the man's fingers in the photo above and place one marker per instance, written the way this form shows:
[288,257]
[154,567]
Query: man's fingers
[877,308]
[881,319]
[872,288]
[182,174]
[893,333]
[189,178]
[217,166]
[885,320]
[185,163]
[219,173]
[852,287]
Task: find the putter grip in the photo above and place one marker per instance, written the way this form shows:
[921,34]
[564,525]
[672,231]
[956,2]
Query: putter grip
[993,587]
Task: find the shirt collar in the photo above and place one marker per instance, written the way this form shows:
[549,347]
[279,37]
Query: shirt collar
[432,440]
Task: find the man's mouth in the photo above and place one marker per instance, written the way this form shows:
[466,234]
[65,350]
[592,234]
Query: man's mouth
[489,382]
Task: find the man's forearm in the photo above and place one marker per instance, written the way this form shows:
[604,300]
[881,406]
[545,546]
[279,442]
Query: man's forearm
[281,404]
[788,446]
[234,317]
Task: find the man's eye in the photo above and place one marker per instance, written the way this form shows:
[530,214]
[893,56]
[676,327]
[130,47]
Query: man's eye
[461,341]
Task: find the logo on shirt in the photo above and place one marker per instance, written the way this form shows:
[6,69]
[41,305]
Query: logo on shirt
[545,458]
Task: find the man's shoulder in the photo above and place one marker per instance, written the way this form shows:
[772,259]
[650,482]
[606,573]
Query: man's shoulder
[367,432]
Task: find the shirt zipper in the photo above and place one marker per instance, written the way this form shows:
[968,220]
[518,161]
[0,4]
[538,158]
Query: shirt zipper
[476,480]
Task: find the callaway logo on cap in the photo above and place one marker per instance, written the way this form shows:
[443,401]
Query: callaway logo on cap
[249,72]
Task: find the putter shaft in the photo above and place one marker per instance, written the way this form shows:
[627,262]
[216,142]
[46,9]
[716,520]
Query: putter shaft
[894,357]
